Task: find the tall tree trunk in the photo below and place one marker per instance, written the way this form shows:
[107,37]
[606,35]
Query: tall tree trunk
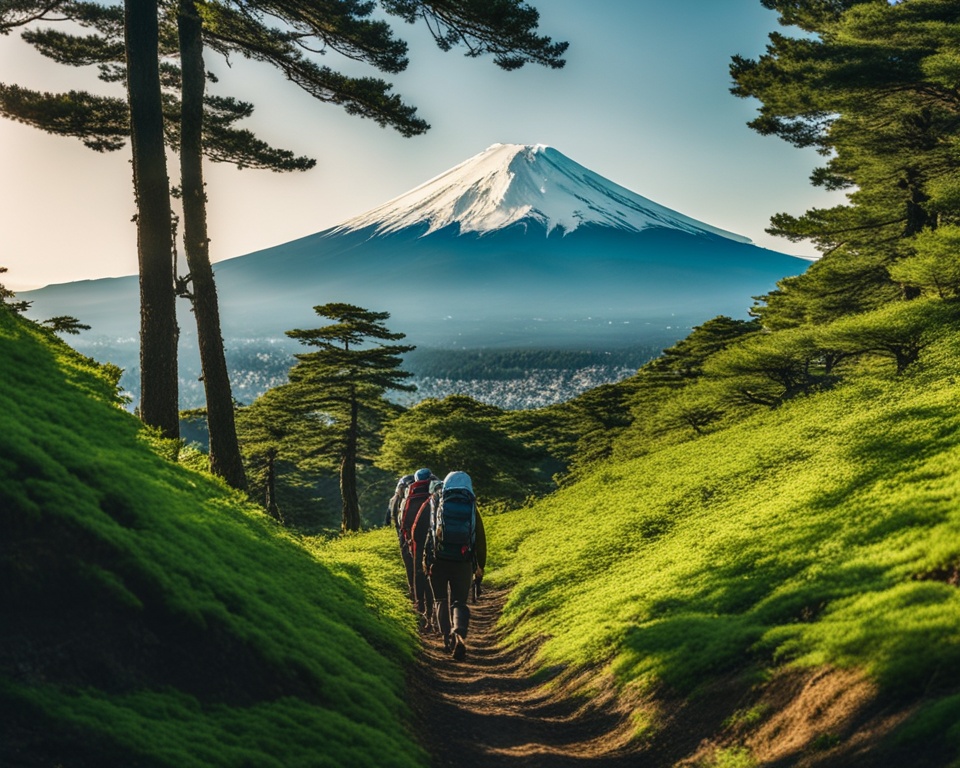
[159,405]
[225,458]
[348,473]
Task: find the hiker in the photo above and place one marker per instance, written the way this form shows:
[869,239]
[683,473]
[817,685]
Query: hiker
[393,517]
[455,554]
[414,526]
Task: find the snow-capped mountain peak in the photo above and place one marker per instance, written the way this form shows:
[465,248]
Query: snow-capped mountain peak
[508,184]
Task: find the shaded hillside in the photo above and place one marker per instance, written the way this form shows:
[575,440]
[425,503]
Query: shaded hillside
[153,618]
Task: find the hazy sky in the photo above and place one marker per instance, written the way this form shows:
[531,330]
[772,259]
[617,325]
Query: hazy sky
[644,100]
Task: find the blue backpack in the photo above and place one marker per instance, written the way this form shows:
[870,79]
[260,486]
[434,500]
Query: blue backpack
[454,519]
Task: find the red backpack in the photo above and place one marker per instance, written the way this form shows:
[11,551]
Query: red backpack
[417,493]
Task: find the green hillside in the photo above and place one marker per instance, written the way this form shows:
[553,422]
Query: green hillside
[818,538]
[151,617]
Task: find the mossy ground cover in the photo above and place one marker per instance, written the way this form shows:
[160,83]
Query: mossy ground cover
[153,617]
[824,532]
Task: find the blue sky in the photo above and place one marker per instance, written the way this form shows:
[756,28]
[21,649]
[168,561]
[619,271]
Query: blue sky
[644,100]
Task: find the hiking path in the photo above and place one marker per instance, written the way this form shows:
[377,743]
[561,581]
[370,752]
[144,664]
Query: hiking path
[493,711]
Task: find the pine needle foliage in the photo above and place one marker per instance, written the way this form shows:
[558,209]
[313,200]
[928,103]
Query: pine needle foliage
[459,433]
[344,381]
[17,13]
[872,86]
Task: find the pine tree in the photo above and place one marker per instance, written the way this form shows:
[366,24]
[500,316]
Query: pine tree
[685,359]
[225,458]
[17,13]
[276,438]
[873,86]
[7,298]
[344,382]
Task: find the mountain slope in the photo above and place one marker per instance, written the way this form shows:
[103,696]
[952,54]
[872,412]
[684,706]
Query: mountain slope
[518,242]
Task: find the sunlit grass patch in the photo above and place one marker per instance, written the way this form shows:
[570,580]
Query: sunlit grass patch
[822,532]
[744,718]
[729,757]
[646,724]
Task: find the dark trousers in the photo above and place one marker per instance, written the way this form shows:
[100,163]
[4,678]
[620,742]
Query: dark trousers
[450,582]
[407,561]
[421,587]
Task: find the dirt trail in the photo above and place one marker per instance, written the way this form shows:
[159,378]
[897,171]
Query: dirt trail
[489,711]
[492,713]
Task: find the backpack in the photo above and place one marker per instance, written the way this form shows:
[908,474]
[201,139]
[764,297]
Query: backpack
[454,519]
[395,507]
[416,493]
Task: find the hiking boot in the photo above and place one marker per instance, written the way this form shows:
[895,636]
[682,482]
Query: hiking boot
[459,648]
[448,643]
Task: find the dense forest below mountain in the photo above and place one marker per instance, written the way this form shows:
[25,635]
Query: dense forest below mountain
[504,364]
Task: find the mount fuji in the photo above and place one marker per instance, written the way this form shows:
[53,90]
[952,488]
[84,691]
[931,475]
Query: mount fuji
[518,246]
[524,185]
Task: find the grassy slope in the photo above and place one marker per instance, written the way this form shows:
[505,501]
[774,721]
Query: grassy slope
[825,534]
[153,618]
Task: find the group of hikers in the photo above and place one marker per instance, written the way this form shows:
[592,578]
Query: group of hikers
[444,550]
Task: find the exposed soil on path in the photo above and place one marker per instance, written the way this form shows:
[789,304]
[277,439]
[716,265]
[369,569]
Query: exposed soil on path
[488,711]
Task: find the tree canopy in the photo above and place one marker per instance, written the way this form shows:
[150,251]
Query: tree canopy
[873,87]
[459,433]
[17,13]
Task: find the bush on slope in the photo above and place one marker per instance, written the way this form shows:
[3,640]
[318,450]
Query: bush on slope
[154,618]
[825,532]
